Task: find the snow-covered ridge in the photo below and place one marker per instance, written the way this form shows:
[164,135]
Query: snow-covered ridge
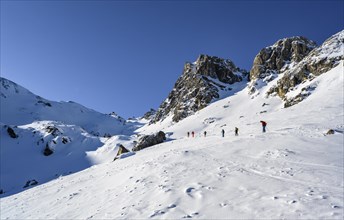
[332,48]
[294,40]
[19,106]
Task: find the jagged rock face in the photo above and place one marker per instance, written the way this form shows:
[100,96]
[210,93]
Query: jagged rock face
[278,58]
[216,68]
[199,84]
[317,62]
[284,51]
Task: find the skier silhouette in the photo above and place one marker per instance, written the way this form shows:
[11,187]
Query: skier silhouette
[193,134]
[188,134]
[205,133]
[223,133]
[264,126]
[236,131]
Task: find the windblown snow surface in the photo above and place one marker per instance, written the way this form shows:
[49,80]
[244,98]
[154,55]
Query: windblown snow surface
[293,171]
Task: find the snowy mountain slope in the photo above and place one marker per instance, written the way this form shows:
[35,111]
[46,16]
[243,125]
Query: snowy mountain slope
[71,132]
[293,171]
[19,106]
[22,158]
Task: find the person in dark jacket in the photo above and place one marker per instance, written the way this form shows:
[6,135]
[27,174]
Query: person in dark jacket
[188,134]
[223,133]
[205,133]
[193,134]
[264,126]
[236,131]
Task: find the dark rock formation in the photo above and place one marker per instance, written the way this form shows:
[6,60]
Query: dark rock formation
[54,131]
[47,151]
[11,132]
[65,140]
[121,150]
[329,132]
[30,183]
[44,103]
[278,58]
[199,85]
[150,140]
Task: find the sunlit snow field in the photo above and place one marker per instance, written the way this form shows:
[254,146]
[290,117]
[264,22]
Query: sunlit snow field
[292,171]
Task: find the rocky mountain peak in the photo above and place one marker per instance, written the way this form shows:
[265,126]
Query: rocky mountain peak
[278,58]
[214,67]
[318,61]
[200,83]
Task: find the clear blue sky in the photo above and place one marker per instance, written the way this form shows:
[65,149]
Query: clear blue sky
[126,56]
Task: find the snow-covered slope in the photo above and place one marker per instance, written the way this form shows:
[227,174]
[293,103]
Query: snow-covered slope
[73,134]
[292,171]
[19,107]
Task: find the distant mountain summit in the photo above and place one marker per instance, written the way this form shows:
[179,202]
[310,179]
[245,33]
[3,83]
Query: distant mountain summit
[19,106]
[200,83]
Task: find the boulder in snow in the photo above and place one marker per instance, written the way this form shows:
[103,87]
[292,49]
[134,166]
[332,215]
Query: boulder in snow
[150,140]
[331,131]
[121,150]
[47,151]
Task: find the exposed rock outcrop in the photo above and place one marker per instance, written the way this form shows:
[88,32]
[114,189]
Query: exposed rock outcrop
[47,151]
[30,183]
[54,131]
[121,150]
[200,84]
[150,140]
[329,132]
[317,62]
[11,132]
[281,56]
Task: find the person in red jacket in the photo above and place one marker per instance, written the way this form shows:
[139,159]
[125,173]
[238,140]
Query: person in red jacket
[264,125]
